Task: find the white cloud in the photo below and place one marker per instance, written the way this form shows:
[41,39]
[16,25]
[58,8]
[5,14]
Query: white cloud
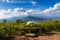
[16,1]
[51,11]
[33,2]
[12,13]
[8,1]
[9,10]
[20,1]
[3,0]
[19,9]
[16,9]
[30,10]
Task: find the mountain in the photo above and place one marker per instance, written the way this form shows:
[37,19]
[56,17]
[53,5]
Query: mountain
[30,18]
[26,18]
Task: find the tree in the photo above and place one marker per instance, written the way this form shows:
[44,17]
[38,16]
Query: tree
[4,21]
[18,21]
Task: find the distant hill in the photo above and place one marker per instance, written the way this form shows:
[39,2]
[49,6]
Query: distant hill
[26,18]
[30,18]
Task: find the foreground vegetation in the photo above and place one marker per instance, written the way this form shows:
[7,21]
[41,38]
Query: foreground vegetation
[10,29]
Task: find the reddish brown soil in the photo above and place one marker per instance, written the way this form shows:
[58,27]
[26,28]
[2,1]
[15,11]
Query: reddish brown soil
[52,37]
[44,37]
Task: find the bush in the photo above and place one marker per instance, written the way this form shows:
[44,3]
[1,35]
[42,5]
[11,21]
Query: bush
[9,29]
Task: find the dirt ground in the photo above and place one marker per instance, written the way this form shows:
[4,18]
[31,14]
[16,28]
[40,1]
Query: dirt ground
[42,37]
[52,37]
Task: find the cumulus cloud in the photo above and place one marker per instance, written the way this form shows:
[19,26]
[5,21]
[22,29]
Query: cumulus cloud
[12,13]
[51,11]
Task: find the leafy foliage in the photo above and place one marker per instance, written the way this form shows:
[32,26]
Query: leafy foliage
[8,29]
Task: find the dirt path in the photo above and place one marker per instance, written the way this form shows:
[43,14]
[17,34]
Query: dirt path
[51,37]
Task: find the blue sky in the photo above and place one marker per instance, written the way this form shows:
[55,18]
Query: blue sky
[40,4]
[13,8]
